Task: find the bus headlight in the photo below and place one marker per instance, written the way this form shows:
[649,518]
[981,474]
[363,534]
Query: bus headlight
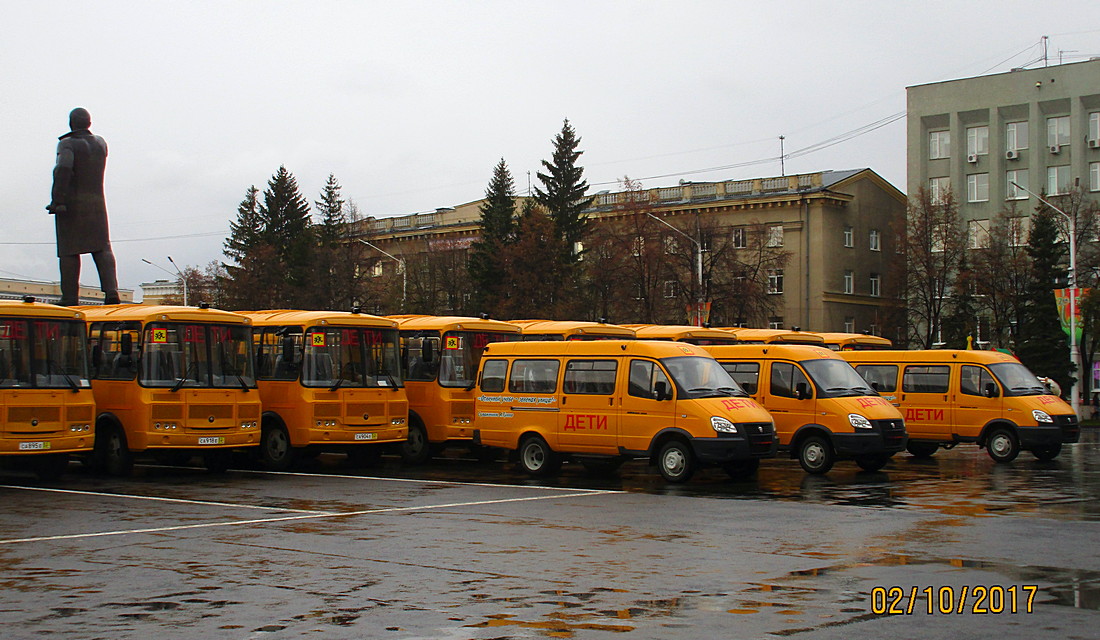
[1042,416]
[722,425]
[397,421]
[858,421]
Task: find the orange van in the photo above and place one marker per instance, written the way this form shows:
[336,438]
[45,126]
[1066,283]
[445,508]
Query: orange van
[984,397]
[603,402]
[823,410]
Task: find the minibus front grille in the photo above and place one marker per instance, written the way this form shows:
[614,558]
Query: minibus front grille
[893,431]
[1071,429]
[760,435]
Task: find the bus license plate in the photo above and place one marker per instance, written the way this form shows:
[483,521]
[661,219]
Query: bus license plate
[366,436]
[212,440]
[34,446]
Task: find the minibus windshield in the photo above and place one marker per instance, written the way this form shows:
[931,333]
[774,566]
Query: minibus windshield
[1017,380]
[42,354]
[698,377]
[177,355]
[837,379]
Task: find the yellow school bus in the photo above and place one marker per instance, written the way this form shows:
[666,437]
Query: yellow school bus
[540,330]
[603,402]
[776,336]
[682,333]
[439,359]
[46,405]
[855,342]
[953,396]
[172,381]
[823,410]
[329,381]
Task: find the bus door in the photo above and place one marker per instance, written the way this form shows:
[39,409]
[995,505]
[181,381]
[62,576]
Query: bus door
[649,404]
[790,398]
[924,401]
[978,399]
[589,416]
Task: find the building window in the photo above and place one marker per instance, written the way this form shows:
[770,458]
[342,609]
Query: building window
[775,281]
[876,284]
[978,234]
[672,289]
[849,278]
[1058,181]
[939,237]
[638,246]
[938,188]
[977,141]
[939,145]
[1094,126]
[875,241]
[1057,131]
[376,269]
[1094,176]
[775,323]
[739,238]
[849,325]
[671,245]
[1018,229]
[1019,177]
[775,235]
[1016,136]
[848,236]
[977,187]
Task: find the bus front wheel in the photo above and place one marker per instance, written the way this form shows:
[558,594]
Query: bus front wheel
[112,454]
[816,455]
[1002,445]
[276,454]
[416,449]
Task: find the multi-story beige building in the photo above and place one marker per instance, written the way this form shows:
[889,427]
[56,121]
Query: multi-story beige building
[836,227]
[11,289]
[1037,128]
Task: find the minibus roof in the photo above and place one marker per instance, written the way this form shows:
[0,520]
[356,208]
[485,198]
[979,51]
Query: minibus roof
[678,332]
[572,327]
[854,338]
[773,336]
[452,323]
[795,352]
[163,313]
[595,349]
[273,317]
[928,355]
[38,310]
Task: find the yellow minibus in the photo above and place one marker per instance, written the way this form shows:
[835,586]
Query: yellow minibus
[775,336]
[173,381]
[46,406]
[855,342]
[823,410]
[603,402]
[983,397]
[534,330]
[329,381]
[439,359]
[682,333]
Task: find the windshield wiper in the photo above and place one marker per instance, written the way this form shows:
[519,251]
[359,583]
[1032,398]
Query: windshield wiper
[179,383]
[72,383]
[231,371]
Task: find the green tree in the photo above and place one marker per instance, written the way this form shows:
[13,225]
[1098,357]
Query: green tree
[329,265]
[288,230]
[533,269]
[498,228]
[251,282]
[563,192]
[1042,345]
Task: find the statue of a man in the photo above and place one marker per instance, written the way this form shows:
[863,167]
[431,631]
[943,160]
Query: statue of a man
[80,209]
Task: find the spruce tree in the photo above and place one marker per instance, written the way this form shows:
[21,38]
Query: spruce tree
[564,195]
[286,227]
[329,267]
[1042,345]
[245,231]
[498,227]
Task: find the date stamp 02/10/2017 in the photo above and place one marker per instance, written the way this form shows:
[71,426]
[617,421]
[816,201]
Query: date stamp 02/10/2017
[979,599]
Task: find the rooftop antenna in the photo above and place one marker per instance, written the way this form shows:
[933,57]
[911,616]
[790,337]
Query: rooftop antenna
[1044,41]
[782,165]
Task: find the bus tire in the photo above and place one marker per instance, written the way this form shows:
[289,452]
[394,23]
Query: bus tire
[537,458]
[416,449]
[217,460]
[922,449]
[815,454]
[276,452]
[676,461]
[111,453]
[51,466]
[1002,445]
[1047,452]
[742,469]
[872,462]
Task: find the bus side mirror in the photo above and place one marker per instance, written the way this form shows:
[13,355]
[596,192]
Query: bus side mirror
[991,390]
[801,391]
[126,346]
[660,391]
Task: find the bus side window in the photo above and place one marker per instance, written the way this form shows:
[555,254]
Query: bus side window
[746,374]
[645,376]
[882,377]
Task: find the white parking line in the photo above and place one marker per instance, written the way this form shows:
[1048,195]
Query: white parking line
[308,516]
[159,499]
[414,480]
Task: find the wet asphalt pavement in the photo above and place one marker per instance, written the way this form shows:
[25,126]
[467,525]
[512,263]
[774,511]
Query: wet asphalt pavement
[461,549]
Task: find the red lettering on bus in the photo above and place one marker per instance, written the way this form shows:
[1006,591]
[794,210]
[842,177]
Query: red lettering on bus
[193,333]
[350,338]
[581,421]
[924,415]
[47,330]
[13,330]
[731,404]
[870,401]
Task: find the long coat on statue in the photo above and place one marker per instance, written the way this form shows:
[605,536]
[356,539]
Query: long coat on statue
[78,186]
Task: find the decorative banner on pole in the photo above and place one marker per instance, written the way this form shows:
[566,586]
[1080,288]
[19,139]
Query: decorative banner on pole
[1062,297]
[699,313]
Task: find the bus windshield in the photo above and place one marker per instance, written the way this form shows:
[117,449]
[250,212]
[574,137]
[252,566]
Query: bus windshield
[43,354]
[189,355]
[461,354]
[837,379]
[351,357]
[1018,380]
[698,377]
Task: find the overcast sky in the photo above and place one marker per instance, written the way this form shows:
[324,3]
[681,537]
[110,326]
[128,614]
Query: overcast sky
[411,104]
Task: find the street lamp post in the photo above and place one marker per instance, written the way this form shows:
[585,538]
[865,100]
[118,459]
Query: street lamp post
[698,261]
[183,280]
[404,275]
[1074,354]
